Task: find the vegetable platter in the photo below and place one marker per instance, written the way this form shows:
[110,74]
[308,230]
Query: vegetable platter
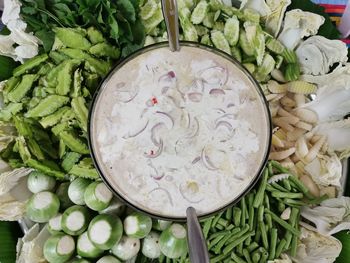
[59,52]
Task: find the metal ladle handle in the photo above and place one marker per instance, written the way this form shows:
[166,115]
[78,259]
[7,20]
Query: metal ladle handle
[197,245]
[171,17]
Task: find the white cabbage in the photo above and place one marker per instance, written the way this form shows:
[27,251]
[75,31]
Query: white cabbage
[297,25]
[331,216]
[314,247]
[259,6]
[317,54]
[274,19]
[325,170]
[30,247]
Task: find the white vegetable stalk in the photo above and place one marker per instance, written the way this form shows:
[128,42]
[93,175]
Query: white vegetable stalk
[42,206]
[126,248]
[108,259]
[97,196]
[75,220]
[86,249]
[38,182]
[59,248]
[173,242]
[54,225]
[137,225]
[105,230]
[150,245]
[77,189]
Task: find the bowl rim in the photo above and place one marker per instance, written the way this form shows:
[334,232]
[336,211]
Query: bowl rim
[135,54]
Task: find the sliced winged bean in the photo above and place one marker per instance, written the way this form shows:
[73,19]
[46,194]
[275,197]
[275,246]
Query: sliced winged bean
[20,91]
[94,35]
[89,173]
[53,118]
[199,12]
[58,57]
[47,106]
[64,77]
[73,142]
[220,42]
[81,111]
[231,30]
[70,159]
[105,50]
[77,80]
[72,38]
[45,168]
[9,110]
[29,64]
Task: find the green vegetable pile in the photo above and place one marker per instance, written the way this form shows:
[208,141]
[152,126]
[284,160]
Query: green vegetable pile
[47,102]
[117,20]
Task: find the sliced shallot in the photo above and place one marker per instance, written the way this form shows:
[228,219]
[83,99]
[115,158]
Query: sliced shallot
[137,132]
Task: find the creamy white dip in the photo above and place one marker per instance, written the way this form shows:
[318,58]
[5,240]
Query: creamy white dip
[177,129]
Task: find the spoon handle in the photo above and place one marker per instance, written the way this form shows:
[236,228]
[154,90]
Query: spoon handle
[171,17]
[197,245]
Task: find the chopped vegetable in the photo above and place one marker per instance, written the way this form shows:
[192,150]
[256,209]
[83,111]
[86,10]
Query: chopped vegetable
[108,259]
[42,207]
[105,231]
[55,224]
[77,189]
[75,220]
[126,248]
[137,225]
[173,242]
[150,245]
[38,182]
[87,249]
[97,196]
[59,248]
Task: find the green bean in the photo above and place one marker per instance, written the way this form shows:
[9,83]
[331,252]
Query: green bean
[286,184]
[283,223]
[294,203]
[228,214]
[237,213]
[244,230]
[244,211]
[266,201]
[223,233]
[273,243]
[237,258]
[259,197]
[261,213]
[281,206]
[263,231]
[256,256]
[268,221]
[222,242]
[280,248]
[220,227]
[215,241]
[216,219]
[264,257]
[247,256]
[223,222]
[288,237]
[294,246]
[218,258]
[287,195]
[257,236]
[293,219]
[236,242]
[279,187]
[206,227]
[252,246]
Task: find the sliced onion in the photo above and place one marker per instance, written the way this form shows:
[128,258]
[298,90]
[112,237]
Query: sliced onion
[217,92]
[195,129]
[156,141]
[206,161]
[196,160]
[195,96]
[166,118]
[165,191]
[156,153]
[167,77]
[224,124]
[137,132]
[189,194]
[207,75]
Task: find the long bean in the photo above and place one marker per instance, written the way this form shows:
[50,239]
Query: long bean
[294,246]
[253,246]
[236,242]
[244,230]
[286,184]
[288,238]
[223,233]
[206,227]
[273,243]
[237,258]
[263,231]
[264,256]
[247,256]
[256,256]
[259,197]
[228,214]
[287,195]
[244,211]
[279,187]
[236,213]
[281,222]
[218,258]
[216,219]
[280,248]
[215,241]
[222,242]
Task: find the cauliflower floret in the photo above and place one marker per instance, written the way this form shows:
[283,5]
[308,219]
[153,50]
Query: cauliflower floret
[297,25]
[317,54]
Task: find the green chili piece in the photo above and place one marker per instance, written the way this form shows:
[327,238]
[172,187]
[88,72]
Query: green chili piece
[236,213]
[47,106]
[247,256]
[236,242]
[95,36]
[19,92]
[73,142]
[259,197]
[237,259]
[280,248]
[263,231]
[104,50]
[29,64]
[283,223]
[72,38]
[44,168]
[54,118]
[273,243]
